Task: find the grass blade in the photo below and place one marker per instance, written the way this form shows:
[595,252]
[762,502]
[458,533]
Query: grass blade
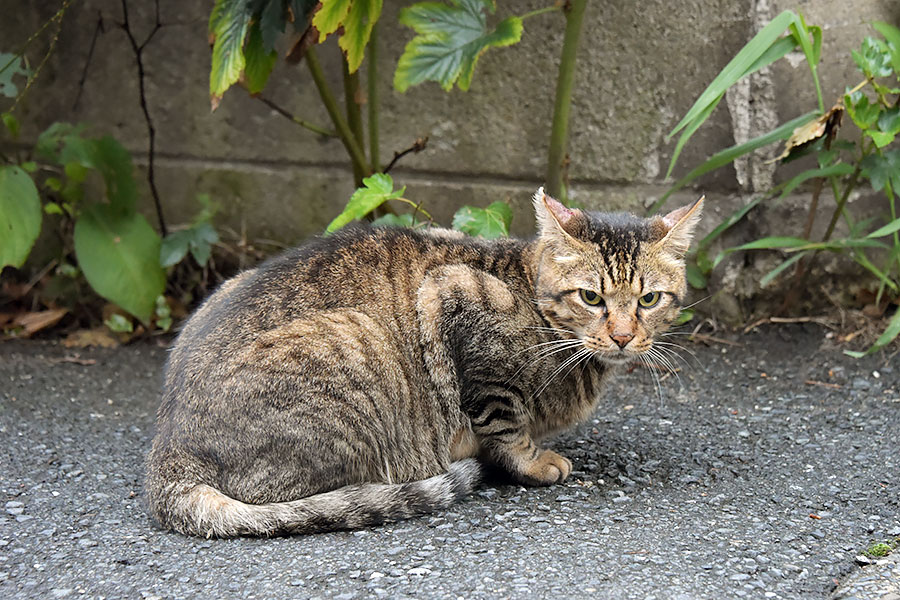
[886,230]
[767,279]
[838,169]
[886,337]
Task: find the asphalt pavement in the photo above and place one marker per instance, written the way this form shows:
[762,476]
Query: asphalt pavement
[765,470]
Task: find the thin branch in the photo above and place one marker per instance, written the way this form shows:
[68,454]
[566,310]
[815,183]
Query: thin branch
[138,50]
[98,29]
[419,145]
[302,123]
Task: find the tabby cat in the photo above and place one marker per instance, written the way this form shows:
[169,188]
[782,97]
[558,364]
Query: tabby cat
[365,377]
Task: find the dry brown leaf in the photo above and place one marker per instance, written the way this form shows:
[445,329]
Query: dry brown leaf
[32,322]
[826,125]
[84,338]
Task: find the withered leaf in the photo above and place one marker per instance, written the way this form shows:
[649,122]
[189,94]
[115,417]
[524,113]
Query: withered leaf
[825,126]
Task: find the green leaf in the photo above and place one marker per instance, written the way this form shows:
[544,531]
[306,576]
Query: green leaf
[113,162]
[892,35]
[52,208]
[10,66]
[863,113]
[728,155]
[830,171]
[357,30]
[20,216]
[272,19]
[174,248]
[449,41]
[391,220]
[329,17]
[768,277]
[873,58]
[376,190]
[889,120]
[886,230]
[119,255]
[52,139]
[728,223]
[490,222]
[880,138]
[119,323]
[887,336]
[259,62]
[695,276]
[301,11]
[203,236]
[749,57]
[228,26]
[11,123]
[883,169]
[684,316]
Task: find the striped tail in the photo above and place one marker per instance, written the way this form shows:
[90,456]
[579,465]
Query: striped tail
[202,510]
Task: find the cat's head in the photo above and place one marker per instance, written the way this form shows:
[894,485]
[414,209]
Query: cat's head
[612,280]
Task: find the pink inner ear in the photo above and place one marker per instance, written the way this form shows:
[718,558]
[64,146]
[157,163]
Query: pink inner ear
[675,216]
[559,211]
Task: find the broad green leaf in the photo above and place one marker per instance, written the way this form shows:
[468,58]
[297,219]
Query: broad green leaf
[490,222]
[886,230]
[728,155]
[329,17]
[887,336]
[889,120]
[174,248]
[883,169]
[880,138]
[831,171]
[228,26]
[10,66]
[378,189]
[695,276]
[119,255]
[863,113]
[20,216]
[768,277]
[391,220]
[449,41]
[258,62]
[113,162]
[892,35]
[357,30]
[203,236]
[272,19]
[52,139]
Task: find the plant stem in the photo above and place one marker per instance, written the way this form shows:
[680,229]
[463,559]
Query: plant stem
[542,11]
[854,177]
[57,16]
[354,114]
[556,160]
[372,87]
[302,123]
[353,149]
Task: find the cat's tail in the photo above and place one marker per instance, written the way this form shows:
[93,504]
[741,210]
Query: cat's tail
[202,510]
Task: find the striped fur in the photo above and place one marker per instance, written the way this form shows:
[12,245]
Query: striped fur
[353,380]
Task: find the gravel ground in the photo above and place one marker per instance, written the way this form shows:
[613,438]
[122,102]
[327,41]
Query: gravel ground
[743,480]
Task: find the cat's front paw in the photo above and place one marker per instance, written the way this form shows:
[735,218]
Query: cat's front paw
[548,468]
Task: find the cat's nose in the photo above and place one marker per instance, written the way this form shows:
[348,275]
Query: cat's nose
[622,339]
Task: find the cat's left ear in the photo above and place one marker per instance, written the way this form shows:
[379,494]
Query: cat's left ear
[679,225]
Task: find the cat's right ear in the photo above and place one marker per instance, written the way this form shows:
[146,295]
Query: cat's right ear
[555,220]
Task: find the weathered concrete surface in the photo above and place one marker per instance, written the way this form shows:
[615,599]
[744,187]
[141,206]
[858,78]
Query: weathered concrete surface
[764,476]
[640,66]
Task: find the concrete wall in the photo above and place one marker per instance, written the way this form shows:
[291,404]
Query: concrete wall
[640,66]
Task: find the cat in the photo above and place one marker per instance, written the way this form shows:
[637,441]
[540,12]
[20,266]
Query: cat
[367,376]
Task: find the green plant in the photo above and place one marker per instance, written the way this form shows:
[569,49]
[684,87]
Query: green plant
[882,549]
[840,166]
[449,39]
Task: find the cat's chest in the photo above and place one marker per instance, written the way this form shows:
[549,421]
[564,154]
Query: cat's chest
[568,399]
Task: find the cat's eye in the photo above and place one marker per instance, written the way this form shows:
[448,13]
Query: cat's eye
[589,297]
[649,300]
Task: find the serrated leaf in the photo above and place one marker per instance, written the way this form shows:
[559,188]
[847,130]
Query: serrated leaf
[11,65]
[357,17]
[883,169]
[119,255]
[174,248]
[880,138]
[272,19]
[449,41]
[329,17]
[377,189]
[489,222]
[873,58]
[863,113]
[889,120]
[258,62]
[20,216]
[228,27]
[301,10]
[892,35]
